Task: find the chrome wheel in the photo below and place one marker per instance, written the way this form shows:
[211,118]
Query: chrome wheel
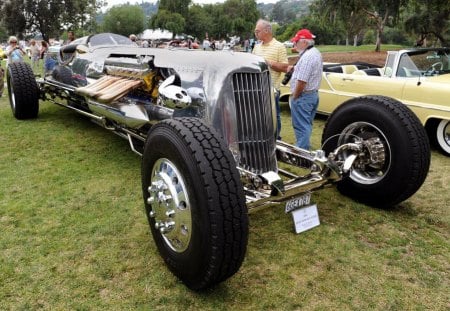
[170,207]
[373,165]
[12,98]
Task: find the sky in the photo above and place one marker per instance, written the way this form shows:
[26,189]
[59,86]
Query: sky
[116,2]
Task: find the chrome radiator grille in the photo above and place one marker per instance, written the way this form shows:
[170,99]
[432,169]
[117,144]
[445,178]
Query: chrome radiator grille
[252,96]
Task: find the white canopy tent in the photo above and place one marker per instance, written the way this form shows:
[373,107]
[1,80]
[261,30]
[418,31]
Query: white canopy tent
[156,34]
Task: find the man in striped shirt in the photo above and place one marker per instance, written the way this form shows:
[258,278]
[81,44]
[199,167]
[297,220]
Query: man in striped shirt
[274,53]
[305,83]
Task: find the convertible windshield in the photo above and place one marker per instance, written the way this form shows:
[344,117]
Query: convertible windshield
[109,39]
[424,63]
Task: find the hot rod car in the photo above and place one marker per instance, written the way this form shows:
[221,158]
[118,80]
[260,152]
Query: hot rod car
[418,77]
[204,124]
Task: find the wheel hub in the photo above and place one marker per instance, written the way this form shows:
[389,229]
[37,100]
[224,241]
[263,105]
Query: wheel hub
[170,206]
[374,163]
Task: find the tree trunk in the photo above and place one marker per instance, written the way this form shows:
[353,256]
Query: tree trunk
[378,41]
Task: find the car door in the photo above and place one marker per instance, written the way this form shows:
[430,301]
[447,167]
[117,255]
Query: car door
[346,86]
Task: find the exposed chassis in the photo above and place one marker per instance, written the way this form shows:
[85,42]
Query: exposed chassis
[271,188]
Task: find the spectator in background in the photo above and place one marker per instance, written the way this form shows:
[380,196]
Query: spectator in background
[44,49]
[220,44]
[35,54]
[70,37]
[13,51]
[206,44]
[2,84]
[246,45]
[305,83]
[275,56]
[133,38]
[43,52]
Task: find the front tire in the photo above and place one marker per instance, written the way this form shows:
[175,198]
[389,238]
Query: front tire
[23,91]
[194,202]
[399,159]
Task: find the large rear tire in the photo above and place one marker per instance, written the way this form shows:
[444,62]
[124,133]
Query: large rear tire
[404,149]
[194,202]
[23,91]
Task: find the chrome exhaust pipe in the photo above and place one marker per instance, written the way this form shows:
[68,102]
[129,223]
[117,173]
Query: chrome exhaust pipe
[133,115]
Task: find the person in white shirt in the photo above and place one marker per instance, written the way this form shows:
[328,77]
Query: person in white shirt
[13,51]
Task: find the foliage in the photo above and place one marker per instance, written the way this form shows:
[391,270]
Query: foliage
[233,17]
[175,6]
[124,19]
[243,15]
[171,15]
[164,19]
[429,17]
[333,21]
[13,19]
[199,21]
[48,17]
[353,16]
[3,33]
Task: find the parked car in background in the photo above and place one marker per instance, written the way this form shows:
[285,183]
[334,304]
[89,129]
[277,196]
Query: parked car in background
[288,44]
[418,77]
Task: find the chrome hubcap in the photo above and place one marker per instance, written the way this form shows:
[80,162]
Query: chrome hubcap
[13,97]
[372,166]
[170,207]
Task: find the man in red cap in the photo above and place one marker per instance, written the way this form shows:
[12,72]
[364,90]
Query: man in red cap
[275,55]
[305,83]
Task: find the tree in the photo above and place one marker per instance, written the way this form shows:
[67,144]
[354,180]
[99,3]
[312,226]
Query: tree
[47,17]
[198,21]
[124,19]
[13,18]
[429,17]
[81,14]
[242,15]
[349,13]
[171,15]
[383,13]
[164,19]
[278,13]
[175,6]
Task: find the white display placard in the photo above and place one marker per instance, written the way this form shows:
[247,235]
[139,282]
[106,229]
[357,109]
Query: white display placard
[306,218]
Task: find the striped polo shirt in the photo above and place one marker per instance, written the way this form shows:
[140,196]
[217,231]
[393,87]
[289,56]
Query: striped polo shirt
[275,51]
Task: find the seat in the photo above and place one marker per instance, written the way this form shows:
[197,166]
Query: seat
[360,72]
[349,69]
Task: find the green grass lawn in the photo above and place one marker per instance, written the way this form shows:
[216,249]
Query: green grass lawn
[74,235]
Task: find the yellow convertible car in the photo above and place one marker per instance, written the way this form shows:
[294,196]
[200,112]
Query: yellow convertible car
[419,78]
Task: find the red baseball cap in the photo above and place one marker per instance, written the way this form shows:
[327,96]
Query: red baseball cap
[303,34]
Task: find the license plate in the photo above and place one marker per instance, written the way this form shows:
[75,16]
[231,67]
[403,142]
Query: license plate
[298,202]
